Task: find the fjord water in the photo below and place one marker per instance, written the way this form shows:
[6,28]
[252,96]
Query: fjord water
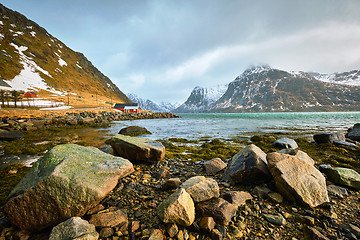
[243,125]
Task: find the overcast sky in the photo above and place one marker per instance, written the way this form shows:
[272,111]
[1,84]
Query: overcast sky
[161,50]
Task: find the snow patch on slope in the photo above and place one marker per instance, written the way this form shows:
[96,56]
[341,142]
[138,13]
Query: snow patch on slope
[29,77]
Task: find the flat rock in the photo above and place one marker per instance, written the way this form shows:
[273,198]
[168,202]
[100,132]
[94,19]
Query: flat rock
[214,166]
[74,228]
[343,176]
[285,143]
[221,210]
[201,188]
[137,149]
[109,219]
[329,137]
[275,219]
[345,144]
[354,132]
[297,180]
[237,198]
[67,181]
[10,135]
[249,166]
[134,131]
[178,208]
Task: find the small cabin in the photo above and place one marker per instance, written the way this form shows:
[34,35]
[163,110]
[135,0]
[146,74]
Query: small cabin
[30,95]
[128,107]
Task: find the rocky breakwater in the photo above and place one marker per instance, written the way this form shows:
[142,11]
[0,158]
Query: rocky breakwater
[83,118]
[66,182]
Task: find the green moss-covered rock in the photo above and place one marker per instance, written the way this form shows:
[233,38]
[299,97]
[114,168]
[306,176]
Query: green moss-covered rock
[137,149]
[67,181]
[343,176]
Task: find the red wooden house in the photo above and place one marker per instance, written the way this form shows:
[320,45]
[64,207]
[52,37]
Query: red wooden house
[30,95]
[128,107]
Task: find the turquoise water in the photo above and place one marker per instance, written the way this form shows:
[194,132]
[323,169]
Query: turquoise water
[229,125]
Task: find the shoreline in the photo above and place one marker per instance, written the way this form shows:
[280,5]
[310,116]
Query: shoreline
[93,118]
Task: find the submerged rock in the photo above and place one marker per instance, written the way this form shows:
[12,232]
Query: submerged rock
[67,181]
[297,180]
[137,149]
[343,176]
[74,228]
[134,131]
[249,166]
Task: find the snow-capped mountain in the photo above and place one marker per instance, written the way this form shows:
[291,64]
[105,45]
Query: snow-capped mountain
[265,89]
[351,78]
[146,104]
[201,99]
[33,60]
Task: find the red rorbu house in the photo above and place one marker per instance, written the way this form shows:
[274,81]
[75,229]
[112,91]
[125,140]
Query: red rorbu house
[128,107]
[30,94]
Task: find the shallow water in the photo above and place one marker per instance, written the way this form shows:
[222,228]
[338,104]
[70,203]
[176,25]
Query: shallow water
[230,125]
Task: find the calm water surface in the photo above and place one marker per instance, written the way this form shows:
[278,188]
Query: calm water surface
[229,125]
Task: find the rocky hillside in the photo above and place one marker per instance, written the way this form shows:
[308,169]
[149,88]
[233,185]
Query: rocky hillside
[149,105]
[32,59]
[264,89]
[201,99]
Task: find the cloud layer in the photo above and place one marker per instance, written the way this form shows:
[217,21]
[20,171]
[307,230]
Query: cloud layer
[162,49]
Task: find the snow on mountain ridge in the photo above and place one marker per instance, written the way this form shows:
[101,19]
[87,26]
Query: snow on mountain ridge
[351,78]
[146,104]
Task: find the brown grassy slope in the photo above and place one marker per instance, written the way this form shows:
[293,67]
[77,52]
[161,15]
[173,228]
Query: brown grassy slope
[79,76]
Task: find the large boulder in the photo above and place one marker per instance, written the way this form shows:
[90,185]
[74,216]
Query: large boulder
[329,137]
[249,166]
[134,131]
[354,132]
[74,228]
[178,208]
[137,149]
[67,181]
[285,143]
[297,180]
[343,176]
[201,188]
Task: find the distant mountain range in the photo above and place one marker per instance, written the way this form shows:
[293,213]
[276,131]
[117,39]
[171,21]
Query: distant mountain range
[146,104]
[265,89]
[202,99]
[32,59]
